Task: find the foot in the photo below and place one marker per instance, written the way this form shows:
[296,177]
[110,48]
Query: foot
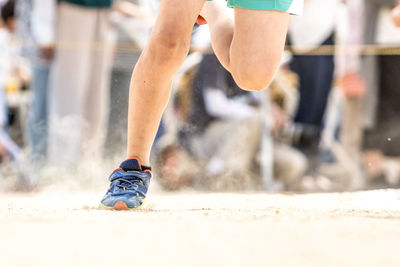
[129,185]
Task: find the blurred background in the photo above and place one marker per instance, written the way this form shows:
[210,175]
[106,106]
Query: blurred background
[328,122]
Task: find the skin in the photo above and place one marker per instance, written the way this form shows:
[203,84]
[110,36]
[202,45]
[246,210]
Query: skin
[250,48]
[11,25]
[396,15]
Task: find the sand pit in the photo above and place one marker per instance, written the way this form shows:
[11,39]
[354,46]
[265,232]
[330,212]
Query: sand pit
[193,229]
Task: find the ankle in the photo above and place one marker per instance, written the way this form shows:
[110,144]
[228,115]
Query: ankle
[143,161]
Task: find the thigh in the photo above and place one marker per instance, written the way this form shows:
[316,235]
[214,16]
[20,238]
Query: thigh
[169,41]
[176,18]
[259,37]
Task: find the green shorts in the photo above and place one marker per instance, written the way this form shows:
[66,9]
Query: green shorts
[294,7]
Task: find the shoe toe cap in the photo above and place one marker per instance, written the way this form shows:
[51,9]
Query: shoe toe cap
[131,202]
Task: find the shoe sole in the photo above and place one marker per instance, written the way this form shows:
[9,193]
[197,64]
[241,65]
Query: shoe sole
[120,205]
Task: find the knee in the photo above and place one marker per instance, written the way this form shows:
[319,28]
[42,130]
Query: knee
[168,44]
[252,78]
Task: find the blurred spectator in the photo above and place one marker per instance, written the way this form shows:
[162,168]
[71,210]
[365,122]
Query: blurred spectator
[319,26]
[347,148]
[13,76]
[2,2]
[221,117]
[13,70]
[396,15]
[10,60]
[316,27]
[382,139]
[36,23]
[79,92]
[289,164]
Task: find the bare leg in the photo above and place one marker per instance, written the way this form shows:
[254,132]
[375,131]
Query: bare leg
[257,46]
[252,54]
[151,79]
[221,29]
[251,49]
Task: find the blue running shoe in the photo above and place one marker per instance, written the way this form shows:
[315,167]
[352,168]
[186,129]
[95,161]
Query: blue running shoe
[129,185]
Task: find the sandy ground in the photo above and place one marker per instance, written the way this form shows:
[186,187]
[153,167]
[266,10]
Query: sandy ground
[192,229]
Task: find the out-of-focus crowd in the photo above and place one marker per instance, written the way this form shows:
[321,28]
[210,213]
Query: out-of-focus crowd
[329,121]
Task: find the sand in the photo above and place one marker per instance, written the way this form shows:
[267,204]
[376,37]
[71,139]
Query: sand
[57,228]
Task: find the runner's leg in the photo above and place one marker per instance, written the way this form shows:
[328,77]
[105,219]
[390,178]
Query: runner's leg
[251,47]
[151,80]
[221,27]
[257,46]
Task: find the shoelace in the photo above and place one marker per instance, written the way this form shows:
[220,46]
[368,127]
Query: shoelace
[128,184]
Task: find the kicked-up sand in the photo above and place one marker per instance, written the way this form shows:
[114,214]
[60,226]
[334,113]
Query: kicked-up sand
[200,229]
